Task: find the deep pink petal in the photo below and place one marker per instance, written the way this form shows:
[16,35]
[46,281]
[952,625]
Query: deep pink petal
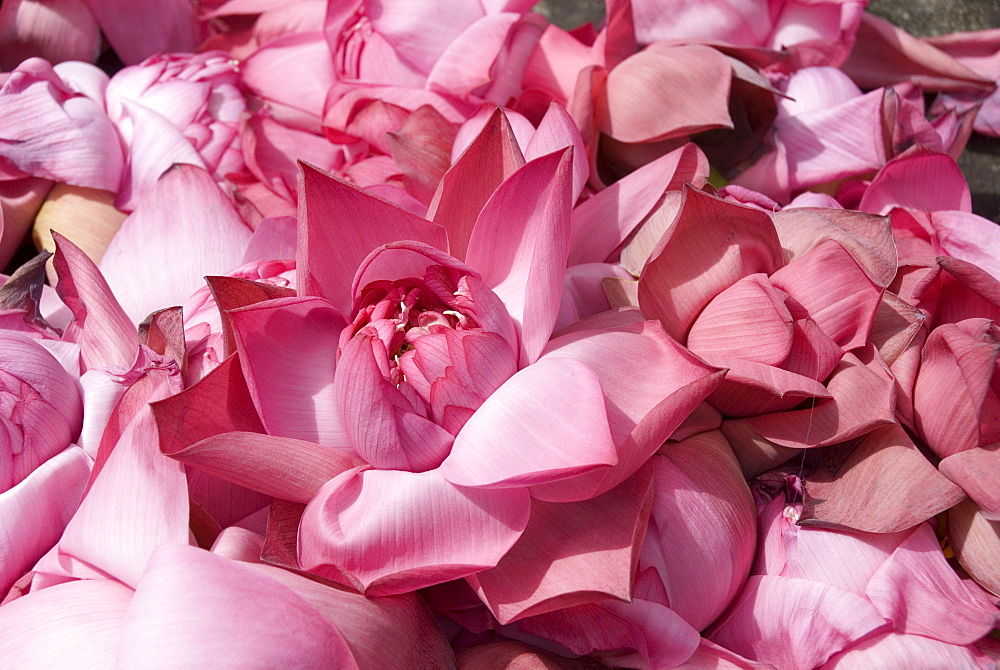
[188,215]
[124,25]
[521,242]
[277,337]
[571,553]
[339,225]
[919,179]
[390,531]
[721,243]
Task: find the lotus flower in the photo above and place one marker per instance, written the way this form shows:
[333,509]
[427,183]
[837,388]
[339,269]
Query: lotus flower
[434,423]
[873,600]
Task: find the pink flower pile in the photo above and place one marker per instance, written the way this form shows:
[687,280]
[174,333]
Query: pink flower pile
[422,334]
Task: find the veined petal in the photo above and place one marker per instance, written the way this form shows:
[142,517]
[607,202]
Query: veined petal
[976,470]
[391,531]
[916,652]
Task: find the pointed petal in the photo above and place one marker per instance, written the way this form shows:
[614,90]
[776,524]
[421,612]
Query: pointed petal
[721,243]
[521,242]
[885,485]
[339,225]
[571,553]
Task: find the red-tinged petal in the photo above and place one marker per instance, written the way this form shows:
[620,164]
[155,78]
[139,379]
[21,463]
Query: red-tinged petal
[125,24]
[702,533]
[721,243]
[571,553]
[868,238]
[421,148]
[751,388]
[187,215]
[885,54]
[76,625]
[489,161]
[281,467]
[977,471]
[794,623]
[952,400]
[138,501]
[520,245]
[885,485]
[193,607]
[561,429]
[390,531]
[339,225]
[976,541]
[366,624]
[288,352]
[34,513]
[629,201]
[915,652]
[919,179]
[863,398]
[640,103]
[639,632]
[109,338]
[748,320]
[511,655]
[555,132]
[828,286]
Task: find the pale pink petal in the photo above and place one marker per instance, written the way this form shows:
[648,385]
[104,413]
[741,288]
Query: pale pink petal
[640,103]
[295,71]
[297,334]
[738,241]
[339,225]
[557,131]
[72,626]
[923,595]
[193,607]
[107,336]
[969,237]
[521,242]
[629,201]
[571,553]
[467,61]
[828,286]
[59,31]
[187,217]
[488,161]
[417,40]
[389,531]
[885,485]
[34,513]
[915,652]
[702,530]
[561,429]
[271,150]
[794,623]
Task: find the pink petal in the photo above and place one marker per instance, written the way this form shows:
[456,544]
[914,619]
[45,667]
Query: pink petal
[72,625]
[918,179]
[893,650]
[702,533]
[885,485]
[124,25]
[751,388]
[108,336]
[467,61]
[739,241]
[976,470]
[187,216]
[976,541]
[629,201]
[511,655]
[556,131]
[390,531]
[297,334]
[520,244]
[194,607]
[561,429]
[418,41]
[421,148]
[863,398]
[295,71]
[922,594]
[833,290]
[634,106]
[339,225]
[56,31]
[571,553]
[794,623]
[34,513]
